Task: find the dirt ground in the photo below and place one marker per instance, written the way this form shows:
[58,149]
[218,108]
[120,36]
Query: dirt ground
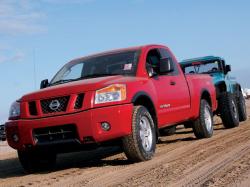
[180,160]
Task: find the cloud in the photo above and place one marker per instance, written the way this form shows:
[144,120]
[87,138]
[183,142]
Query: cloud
[14,57]
[20,17]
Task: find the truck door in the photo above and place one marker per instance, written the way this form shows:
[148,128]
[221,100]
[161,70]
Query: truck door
[172,89]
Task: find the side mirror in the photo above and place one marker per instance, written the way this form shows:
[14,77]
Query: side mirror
[44,83]
[166,65]
[228,68]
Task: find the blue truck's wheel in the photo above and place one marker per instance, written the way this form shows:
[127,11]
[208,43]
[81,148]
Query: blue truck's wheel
[33,161]
[228,110]
[141,143]
[203,126]
[241,107]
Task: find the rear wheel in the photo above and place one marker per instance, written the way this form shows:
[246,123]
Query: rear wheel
[33,161]
[140,145]
[228,110]
[241,107]
[203,126]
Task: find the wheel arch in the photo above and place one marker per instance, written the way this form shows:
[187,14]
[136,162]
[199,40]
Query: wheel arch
[206,95]
[221,87]
[142,98]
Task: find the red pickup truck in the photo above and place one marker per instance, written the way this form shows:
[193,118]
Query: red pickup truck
[127,96]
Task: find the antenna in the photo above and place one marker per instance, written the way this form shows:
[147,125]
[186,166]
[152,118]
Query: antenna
[34,67]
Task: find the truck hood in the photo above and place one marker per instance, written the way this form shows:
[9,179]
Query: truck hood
[80,86]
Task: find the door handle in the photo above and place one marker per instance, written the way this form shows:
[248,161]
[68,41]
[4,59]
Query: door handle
[172,83]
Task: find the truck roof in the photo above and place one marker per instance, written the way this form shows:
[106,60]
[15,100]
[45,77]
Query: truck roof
[200,59]
[117,50]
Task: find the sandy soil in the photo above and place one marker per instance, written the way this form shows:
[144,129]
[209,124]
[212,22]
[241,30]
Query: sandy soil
[180,160]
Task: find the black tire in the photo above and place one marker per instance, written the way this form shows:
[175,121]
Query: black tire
[133,145]
[241,104]
[203,126]
[228,110]
[33,161]
[168,131]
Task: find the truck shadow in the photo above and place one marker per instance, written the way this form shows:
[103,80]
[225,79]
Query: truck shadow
[176,140]
[85,159]
[183,130]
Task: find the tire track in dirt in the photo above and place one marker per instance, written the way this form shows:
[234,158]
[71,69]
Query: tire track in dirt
[233,173]
[168,170]
[202,174]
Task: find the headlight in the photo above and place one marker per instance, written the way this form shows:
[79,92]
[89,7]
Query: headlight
[14,110]
[112,93]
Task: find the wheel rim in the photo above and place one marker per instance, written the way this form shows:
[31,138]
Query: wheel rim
[234,110]
[146,133]
[208,119]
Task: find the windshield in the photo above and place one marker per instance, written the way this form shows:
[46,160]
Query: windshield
[120,63]
[197,67]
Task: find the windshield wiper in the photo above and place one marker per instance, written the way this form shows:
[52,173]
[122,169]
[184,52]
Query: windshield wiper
[61,81]
[98,75]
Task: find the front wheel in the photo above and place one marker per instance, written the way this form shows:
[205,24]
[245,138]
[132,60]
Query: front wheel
[203,126]
[141,143]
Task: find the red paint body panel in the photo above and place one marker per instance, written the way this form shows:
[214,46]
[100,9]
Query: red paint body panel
[182,99]
[87,124]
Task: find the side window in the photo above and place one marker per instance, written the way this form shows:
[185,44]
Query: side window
[165,54]
[153,61]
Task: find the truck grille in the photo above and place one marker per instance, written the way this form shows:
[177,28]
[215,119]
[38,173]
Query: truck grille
[54,134]
[55,105]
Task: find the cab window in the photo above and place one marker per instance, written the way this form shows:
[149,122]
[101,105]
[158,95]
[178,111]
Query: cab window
[165,54]
[153,61]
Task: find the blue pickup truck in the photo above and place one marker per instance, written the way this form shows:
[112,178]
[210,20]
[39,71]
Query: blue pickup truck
[231,103]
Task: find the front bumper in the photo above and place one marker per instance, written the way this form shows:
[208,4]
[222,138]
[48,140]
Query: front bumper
[87,124]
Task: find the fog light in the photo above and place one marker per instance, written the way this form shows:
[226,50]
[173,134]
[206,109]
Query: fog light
[15,138]
[105,126]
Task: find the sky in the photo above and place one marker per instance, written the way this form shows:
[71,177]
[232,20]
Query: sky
[37,37]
